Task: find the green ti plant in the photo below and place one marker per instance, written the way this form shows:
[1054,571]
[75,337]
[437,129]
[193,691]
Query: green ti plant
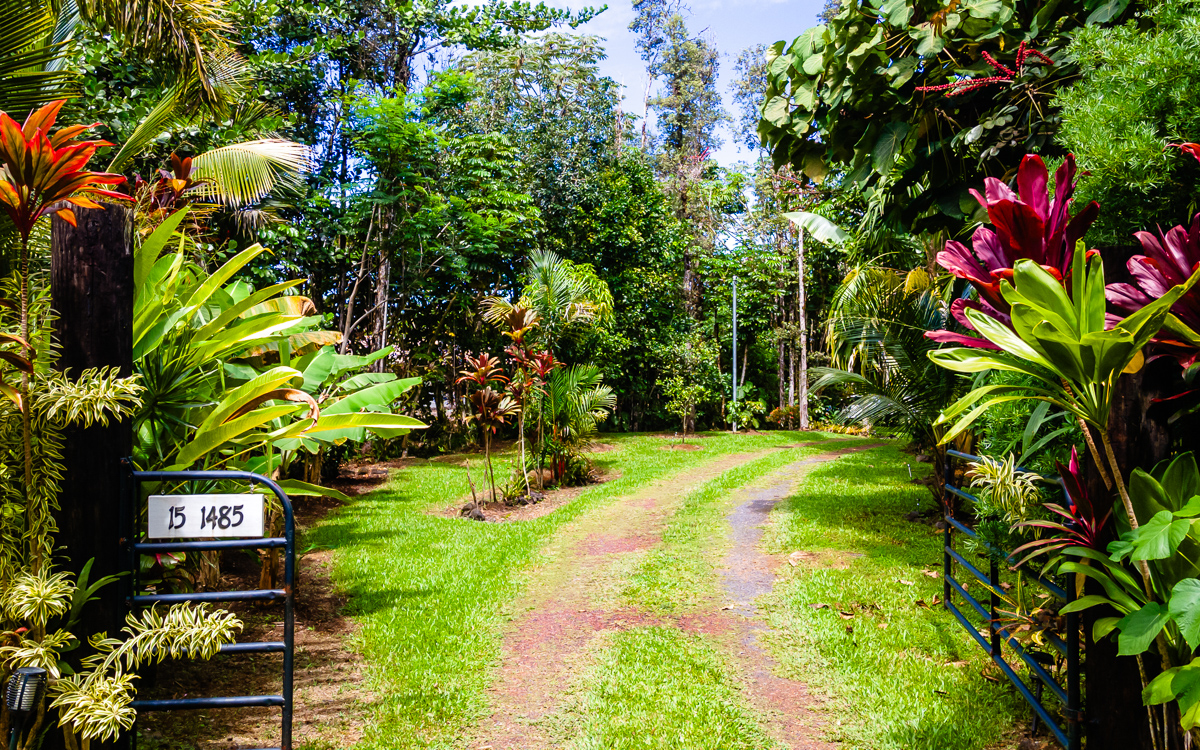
[1059,338]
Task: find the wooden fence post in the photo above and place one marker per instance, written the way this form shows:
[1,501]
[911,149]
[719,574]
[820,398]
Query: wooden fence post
[92,292]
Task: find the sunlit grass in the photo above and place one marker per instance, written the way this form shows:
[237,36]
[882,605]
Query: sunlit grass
[662,688]
[429,592]
[900,675]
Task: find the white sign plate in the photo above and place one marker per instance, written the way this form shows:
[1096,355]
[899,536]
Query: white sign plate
[205,516]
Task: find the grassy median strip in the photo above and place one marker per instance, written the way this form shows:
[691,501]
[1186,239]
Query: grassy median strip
[661,688]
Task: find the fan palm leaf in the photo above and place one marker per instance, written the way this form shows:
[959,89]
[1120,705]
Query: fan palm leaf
[876,332]
[228,74]
[242,174]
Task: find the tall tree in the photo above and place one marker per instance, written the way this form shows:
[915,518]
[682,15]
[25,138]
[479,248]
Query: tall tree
[687,112]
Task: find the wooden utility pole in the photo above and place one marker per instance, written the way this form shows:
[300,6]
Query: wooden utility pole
[91,286]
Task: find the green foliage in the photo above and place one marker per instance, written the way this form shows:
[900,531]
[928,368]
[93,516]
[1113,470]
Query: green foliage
[1004,491]
[1137,93]
[843,97]
[876,333]
[692,380]
[1060,341]
[1033,431]
[94,702]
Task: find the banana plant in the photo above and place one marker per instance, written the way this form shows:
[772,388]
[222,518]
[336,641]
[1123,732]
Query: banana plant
[197,338]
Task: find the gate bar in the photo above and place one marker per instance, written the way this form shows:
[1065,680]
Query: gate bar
[134,548]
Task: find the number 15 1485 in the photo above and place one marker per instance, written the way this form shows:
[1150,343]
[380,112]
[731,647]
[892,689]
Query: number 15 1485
[188,516]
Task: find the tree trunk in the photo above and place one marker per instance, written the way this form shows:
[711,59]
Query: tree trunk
[382,292]
[802,332]
[91,283]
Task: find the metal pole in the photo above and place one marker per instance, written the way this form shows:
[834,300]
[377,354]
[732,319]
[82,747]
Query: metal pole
[734,368]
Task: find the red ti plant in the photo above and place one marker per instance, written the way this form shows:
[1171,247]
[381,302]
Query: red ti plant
[41,174]
[543,364]
[1029,223]
[1169,260]
[492,408]
[1081,529]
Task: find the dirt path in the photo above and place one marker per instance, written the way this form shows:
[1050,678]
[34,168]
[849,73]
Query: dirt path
[573,600]
[748,574]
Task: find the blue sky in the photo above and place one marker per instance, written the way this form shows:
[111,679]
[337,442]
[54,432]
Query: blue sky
[732,25]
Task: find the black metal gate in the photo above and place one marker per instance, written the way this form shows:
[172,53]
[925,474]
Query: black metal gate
[999,635]
[135,546]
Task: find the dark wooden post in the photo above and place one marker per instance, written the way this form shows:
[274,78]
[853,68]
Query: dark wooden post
[1114,716]
[92,291]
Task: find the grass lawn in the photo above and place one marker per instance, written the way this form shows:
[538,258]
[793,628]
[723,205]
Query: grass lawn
[662,688]
[430,592]
[901,675]
[432,595]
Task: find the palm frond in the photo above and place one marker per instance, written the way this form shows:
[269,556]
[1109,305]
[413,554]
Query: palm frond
[181,102]
[876,332]
[242,174]
[176,32]
[31,56]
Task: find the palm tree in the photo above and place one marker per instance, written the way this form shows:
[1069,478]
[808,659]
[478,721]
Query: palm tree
[876,333]
[575,403]
[823,230]
[562,294]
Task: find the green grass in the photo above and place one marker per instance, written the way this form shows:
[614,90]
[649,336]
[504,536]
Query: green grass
[662,688]
[901,675]
[681,573]
[430,592]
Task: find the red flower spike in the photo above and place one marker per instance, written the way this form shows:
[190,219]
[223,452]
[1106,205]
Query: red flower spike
[44,170]
[1191,148]
[1006,74]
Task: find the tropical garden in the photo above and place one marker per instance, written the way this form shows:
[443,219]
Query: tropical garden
[589,438]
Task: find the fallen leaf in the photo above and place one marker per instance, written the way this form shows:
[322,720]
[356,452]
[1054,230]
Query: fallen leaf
[883,626]
[906,583]
[932,573]
[921,603]
[936,600]
[1006,586]
[988,677]
[846,615]
[850,630]
[956,664]
[819,606]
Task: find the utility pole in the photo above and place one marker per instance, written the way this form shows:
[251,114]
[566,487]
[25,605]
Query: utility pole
[734,367]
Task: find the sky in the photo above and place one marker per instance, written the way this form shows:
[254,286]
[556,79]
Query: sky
[731,25]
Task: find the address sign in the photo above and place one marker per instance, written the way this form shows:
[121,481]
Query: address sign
[201,516]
